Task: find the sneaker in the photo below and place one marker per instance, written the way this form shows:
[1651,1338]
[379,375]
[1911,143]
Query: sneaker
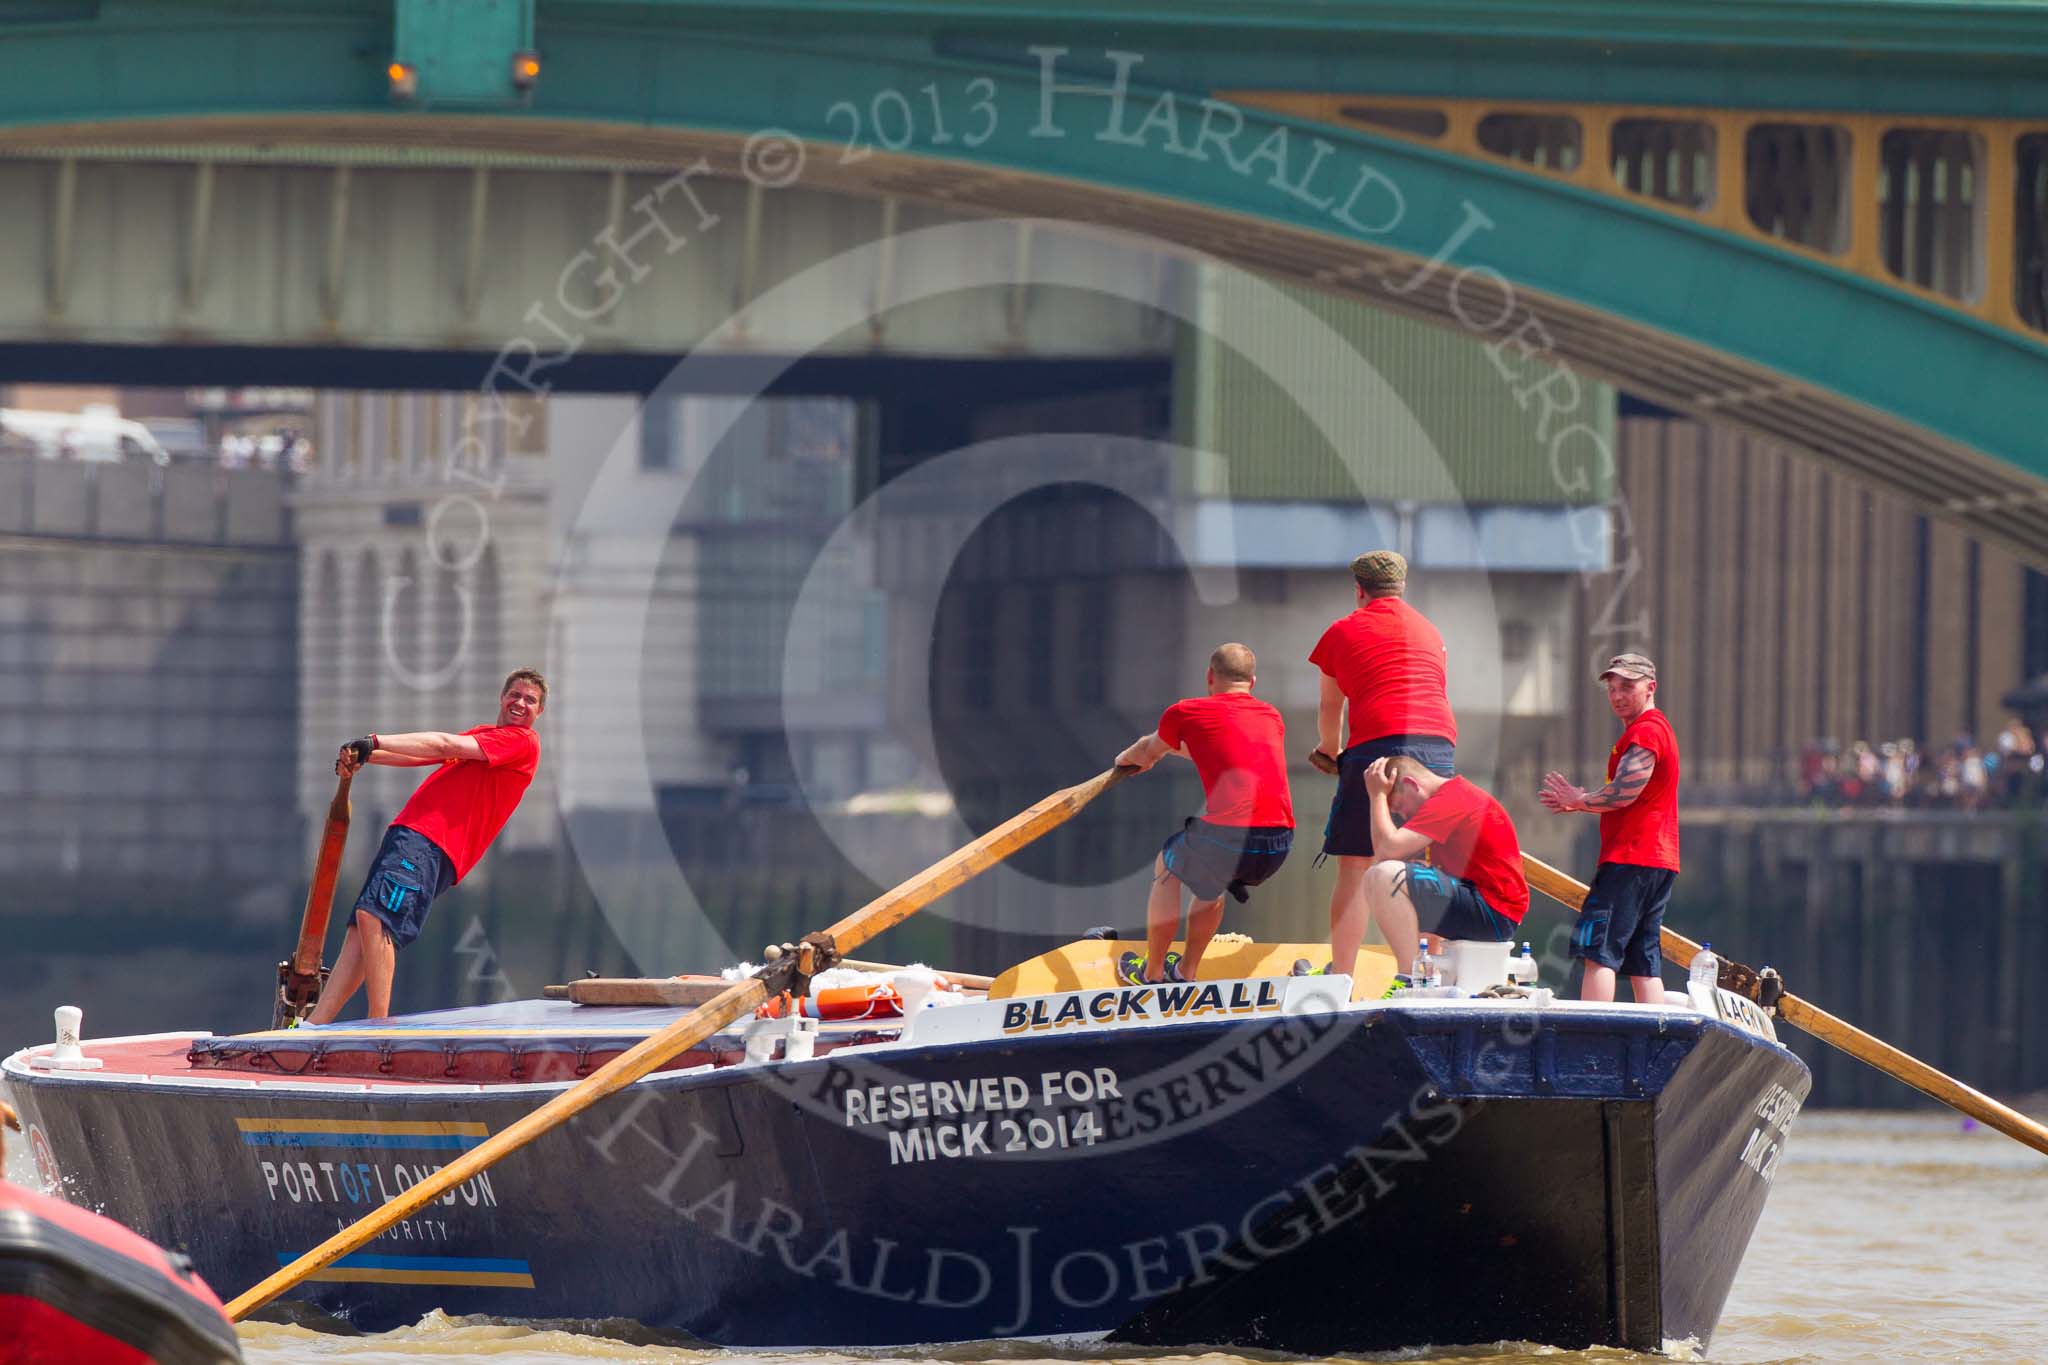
[1130,970]
[1401,982]
[1301,968]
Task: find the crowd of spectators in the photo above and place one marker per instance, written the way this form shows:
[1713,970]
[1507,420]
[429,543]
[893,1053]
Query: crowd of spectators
[1963,775]
[286,448]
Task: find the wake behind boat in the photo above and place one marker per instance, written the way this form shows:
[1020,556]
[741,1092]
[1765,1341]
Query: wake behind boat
[1230,1161]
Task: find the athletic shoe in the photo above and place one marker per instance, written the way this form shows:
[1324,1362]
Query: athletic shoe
[1401,982]
[1130,970]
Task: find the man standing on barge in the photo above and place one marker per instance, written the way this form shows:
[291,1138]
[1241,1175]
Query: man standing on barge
[442,832]
[1385,692]
[1622,922]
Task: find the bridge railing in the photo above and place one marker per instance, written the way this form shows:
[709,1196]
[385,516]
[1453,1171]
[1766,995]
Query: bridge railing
[140,502]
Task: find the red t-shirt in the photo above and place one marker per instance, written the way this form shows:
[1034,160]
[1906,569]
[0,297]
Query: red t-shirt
[1474,840]
[463,804]
[1645,832]
[1239,745]
[1389,660]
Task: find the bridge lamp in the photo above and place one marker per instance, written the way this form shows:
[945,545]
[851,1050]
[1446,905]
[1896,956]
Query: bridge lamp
[405,80]
[525,70]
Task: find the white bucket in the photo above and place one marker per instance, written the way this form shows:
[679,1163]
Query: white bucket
[1476,965]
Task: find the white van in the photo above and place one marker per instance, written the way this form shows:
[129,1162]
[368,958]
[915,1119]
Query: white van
[99,435]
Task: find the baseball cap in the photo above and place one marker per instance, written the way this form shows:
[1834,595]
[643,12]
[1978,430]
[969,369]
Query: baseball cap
[1630,666]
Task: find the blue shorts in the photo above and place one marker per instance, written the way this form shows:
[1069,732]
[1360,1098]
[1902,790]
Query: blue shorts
[1456,906]
[1348,834]
[1211,859]
[1623,918]
[409,872]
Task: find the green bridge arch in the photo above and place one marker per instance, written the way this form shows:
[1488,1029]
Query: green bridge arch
[1090,116]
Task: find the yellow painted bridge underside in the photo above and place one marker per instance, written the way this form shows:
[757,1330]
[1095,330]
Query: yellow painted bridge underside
[1993,300]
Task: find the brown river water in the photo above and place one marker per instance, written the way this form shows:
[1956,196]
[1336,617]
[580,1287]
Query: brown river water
[1889,1237]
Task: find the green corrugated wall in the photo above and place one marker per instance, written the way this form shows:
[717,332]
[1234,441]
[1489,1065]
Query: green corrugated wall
[1471,426]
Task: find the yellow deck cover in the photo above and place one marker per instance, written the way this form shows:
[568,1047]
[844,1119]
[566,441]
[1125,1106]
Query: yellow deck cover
[1091,965]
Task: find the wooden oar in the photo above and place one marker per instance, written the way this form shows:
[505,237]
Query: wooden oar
[300,977]
[816,952]
[1837,1033]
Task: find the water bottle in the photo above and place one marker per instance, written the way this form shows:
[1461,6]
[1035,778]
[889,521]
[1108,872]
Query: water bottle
[1425,972]
[1523,968]
[1706,969]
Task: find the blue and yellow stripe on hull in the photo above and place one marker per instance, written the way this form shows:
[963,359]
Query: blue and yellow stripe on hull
[482,1271]
[359,1133]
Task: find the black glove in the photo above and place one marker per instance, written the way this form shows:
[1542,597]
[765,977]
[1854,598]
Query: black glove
[362,748]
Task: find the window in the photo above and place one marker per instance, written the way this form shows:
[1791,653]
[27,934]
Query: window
[2035,642]
[978,669]
[526,415]
[1665,159]
[347,457]
[1042,653]
[1930,220]
[1091,668]
[1796,183]
[1412,122]
[2030,232]
[658,433]
[1553,142]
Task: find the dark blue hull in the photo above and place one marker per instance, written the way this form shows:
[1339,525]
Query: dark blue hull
[1309,1183]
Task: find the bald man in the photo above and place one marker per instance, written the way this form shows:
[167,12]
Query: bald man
[1238,745]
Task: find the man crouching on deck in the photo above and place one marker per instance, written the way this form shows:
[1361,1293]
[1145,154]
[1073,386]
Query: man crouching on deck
[1239,747]
[1473,888]
[437,838]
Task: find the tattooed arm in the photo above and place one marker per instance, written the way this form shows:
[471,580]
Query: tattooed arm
[1630,777]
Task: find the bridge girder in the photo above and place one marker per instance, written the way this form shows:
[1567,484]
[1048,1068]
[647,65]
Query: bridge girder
[1936,406]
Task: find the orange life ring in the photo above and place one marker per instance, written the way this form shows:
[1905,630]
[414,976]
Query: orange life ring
[842,1003]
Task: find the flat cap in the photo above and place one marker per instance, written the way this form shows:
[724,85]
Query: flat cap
[1380,569]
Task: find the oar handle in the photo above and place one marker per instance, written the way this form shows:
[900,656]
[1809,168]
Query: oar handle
[326,870]
[1836,1033]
